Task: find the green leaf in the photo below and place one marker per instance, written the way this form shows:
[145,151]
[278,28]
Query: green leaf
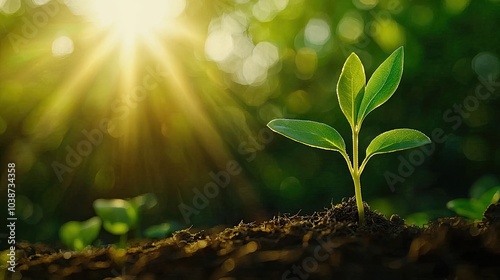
[78,235]
[491,196]
[314,134]
[118,215]
[144,201]
[382,84]
[470,208]
[396,140]
[350,88]
[482,185]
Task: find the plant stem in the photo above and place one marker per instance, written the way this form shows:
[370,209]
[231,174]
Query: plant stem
[356,174]
[123,241]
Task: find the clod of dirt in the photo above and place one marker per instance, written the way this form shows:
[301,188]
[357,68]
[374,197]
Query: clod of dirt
[492,214]
[325,245]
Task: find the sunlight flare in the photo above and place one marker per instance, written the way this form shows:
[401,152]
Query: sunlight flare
[130,19]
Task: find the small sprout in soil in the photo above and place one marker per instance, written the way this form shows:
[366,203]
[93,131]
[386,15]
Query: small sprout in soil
[474,207]
[357,99]
[78,235]
[118,216]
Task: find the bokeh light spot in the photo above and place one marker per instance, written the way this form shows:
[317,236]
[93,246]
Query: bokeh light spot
[422,15]
[265,54]
[219,45]
[486,65]
[317,32]
[280,4]
[40,2]
[232,48]
[350,28]
[62,46]
[475,149]
[365,4]
[479,117]
[263,11]
[266,10]
[455,6]
[306,61]
[253,72]
[298,102]
[10,6]
[388,34]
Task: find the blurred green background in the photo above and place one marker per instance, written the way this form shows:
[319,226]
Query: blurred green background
[112,99]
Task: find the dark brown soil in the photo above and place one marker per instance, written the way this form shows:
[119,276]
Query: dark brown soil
[326,245]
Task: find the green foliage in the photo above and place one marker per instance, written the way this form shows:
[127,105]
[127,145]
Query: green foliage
[118,215]
[143,201]
[395,140]
[474,207]
[78,235]
[357,100]
[382,84]
[314,134]
[352,84]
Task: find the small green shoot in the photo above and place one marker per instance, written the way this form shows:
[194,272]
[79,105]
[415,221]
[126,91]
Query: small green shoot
[474,207]
[357,99]
[78,235]
[118,216]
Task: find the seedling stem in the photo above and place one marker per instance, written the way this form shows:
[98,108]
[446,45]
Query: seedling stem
[356,175]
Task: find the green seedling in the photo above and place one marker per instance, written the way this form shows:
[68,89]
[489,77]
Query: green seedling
[357,99]
[141,203]
[474,207]
[118,216]
[78,235]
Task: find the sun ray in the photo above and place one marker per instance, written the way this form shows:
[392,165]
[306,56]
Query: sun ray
[172,137]
[55,112]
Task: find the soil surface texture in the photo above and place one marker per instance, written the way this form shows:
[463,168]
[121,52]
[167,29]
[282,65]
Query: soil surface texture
[325,245]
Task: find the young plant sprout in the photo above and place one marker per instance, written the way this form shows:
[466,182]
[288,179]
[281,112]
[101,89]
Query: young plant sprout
[474,207]
[78,235]
[357,99]
[118,216]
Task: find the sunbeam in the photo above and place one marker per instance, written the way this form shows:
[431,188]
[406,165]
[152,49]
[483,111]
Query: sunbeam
[119,98]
